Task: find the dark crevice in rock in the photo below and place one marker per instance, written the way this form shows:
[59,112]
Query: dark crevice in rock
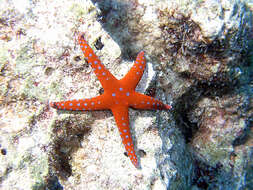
[204,175]
[68,138]
[189,100]
[52,183]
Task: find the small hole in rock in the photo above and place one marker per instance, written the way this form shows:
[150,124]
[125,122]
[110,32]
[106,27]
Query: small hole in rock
[142,153]
[3,151]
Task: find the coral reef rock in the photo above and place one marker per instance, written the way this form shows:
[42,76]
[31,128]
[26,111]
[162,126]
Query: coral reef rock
[200,60]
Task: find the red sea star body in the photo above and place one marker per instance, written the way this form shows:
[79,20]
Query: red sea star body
[118,96]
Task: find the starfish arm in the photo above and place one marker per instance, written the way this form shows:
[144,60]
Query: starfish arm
[141,101]
[103,75]
[96,103]
[134,75]
[121,117]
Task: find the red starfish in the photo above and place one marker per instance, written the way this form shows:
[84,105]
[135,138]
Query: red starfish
[118,96]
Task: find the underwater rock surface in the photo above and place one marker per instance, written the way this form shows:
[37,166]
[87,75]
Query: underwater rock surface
[199,60]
